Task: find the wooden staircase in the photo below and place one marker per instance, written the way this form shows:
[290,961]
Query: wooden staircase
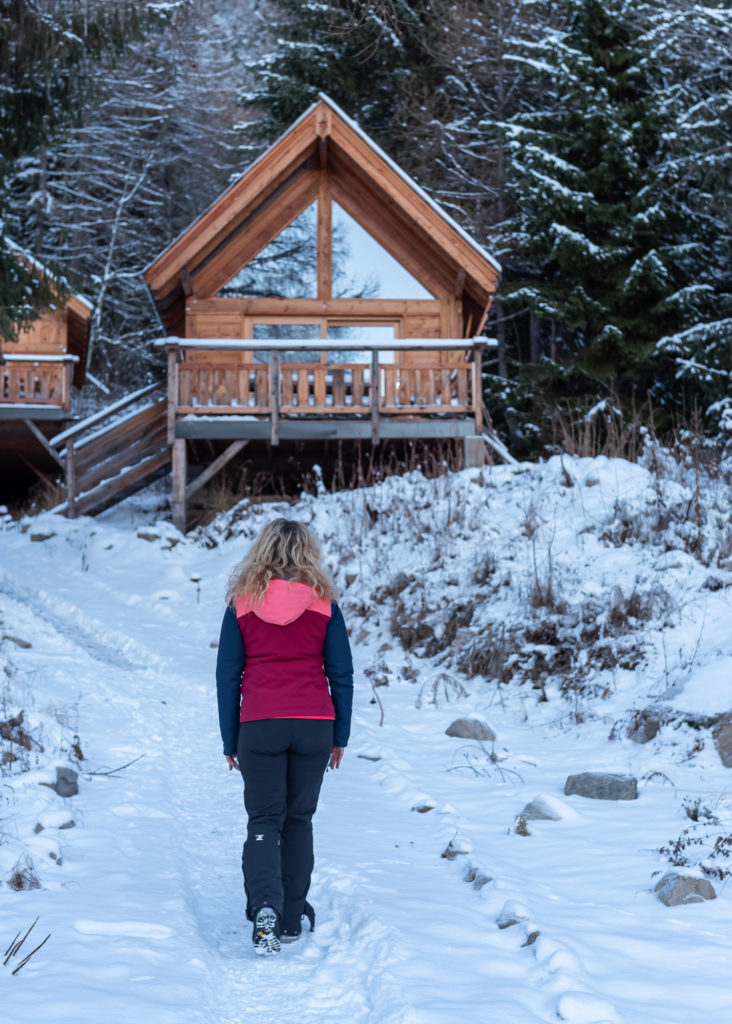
[113,453]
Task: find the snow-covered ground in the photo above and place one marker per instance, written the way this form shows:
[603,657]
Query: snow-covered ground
[577,591]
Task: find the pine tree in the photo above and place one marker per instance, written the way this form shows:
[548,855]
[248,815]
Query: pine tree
[611,245]
[358,53]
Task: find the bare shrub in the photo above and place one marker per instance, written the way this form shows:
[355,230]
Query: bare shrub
[441,686]
[602,430]
[23,876]
[410,625]
[393,588]
[487,655]
[484,569]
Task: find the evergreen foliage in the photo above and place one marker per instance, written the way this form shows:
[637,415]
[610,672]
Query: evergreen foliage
[614,230]
[359,53]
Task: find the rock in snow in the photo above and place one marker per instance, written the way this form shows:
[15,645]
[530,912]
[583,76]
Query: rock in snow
[675,889]
[471,729]
[644,727]
[602,786]
[512,912]
[723,739]
[66,782]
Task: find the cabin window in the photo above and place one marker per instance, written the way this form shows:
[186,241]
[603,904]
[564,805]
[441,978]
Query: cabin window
[364,269]
[285,268]
[284,331]
[358,332]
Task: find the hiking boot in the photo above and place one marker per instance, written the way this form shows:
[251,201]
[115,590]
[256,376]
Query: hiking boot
[291,932]
[266,931]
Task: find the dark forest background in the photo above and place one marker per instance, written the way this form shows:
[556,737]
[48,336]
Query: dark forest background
[587,145]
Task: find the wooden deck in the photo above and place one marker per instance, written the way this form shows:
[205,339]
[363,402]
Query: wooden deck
[255,387]
[36,383]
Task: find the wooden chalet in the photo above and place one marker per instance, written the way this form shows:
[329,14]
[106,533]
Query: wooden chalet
[274,355]
[37,375]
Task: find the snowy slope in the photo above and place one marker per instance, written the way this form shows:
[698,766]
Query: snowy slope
[552,577]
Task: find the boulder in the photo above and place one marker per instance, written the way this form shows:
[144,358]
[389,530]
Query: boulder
[602,786]
[644,727]
[66,782]
[675,889]
[39,537]
[471,729]
[723,739]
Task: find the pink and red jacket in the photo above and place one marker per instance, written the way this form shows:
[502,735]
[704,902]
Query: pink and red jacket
[287,657]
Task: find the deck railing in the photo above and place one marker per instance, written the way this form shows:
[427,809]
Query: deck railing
[220,377]
[37,379]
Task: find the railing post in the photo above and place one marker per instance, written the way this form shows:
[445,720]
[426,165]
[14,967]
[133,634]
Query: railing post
[375,396]
[274,367]
[70,481]
[477,387]
[173,353]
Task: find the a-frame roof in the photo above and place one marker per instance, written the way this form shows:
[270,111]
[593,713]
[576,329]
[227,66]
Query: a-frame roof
[278,186]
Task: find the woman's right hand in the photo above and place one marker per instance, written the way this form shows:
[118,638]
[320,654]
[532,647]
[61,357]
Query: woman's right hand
[336,756]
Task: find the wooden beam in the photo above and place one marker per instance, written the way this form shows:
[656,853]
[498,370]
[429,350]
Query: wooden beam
[325,238]
[274,368]
[274,307]
[460,283]
[180,468]
[374,395]
[189,285]
[174,356]
[70,481]
[234,448]
[44,442]
[484,317]
[477,387]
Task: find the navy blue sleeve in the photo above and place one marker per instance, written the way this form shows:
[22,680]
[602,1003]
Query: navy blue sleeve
[338,665]
[229,669]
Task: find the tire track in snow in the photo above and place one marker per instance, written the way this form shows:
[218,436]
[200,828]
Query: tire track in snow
[108,646]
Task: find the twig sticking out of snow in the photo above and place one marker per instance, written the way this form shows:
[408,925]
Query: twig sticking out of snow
[15,945]
[113,771]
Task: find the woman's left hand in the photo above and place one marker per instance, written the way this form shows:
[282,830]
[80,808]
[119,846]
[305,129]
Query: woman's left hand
[231,761]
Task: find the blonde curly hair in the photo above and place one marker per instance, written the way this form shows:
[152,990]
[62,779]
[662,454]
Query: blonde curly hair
[284,549]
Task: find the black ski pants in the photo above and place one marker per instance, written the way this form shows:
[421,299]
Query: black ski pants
[282,761]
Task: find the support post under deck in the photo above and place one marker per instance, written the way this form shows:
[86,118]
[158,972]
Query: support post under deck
[180,469]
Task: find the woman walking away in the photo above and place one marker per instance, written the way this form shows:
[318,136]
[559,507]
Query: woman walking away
[284,680]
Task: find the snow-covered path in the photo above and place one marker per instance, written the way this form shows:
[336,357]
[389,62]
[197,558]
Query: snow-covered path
[148,917]
[146,910]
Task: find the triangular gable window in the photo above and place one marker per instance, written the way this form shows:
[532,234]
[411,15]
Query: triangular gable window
[364,269]
[285,268]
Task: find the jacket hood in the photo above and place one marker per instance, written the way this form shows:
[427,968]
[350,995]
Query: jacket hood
[284,602]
